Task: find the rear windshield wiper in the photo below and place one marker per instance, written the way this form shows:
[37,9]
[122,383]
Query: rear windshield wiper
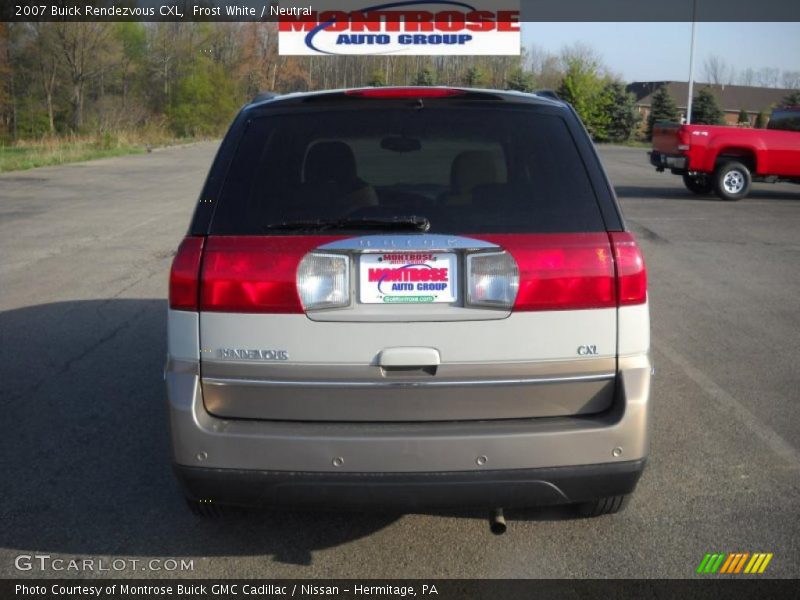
[410,223]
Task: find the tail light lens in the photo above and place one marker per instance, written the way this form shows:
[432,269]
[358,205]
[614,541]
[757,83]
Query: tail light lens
[282,274]
[183,277]
[249,274]
[683,139]
[492,280]
[323,281]
[561,271]
[631,271]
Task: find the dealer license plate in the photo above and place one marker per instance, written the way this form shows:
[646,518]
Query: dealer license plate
[408,278]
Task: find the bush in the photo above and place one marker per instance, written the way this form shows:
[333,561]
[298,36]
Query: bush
[743,119]
[377,79]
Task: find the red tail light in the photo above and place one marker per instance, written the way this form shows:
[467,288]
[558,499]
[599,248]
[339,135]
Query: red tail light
[561,271]
[556,271]
[631,271]
[405,92]
[576,270]
[183,277]
[684,143]
[254,274]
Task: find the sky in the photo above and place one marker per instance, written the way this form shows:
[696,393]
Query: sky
[660,51]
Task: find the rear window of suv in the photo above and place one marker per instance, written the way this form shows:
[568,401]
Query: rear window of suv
[467,170]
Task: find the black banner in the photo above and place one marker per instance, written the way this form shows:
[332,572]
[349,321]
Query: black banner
[530,10]
[438,589]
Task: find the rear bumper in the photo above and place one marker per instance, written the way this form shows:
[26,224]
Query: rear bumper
[618,435]
[508,489]
[661,161]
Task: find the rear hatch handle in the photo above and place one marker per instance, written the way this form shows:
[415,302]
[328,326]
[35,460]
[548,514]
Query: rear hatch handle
[404,357]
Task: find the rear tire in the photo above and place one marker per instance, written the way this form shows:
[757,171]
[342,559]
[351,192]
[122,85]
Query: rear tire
[698,184]
[604,506]
[732,180]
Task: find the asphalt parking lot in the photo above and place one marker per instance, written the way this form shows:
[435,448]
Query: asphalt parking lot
[84,455]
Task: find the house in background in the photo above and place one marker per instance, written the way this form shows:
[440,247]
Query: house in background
[731,98]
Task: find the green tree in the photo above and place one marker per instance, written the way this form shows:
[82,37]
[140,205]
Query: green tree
[424,77]
[620,105]
[133,40]
[706,110]
[474,77]
[792,99]
[520,81]
[85,50]
[761,120]
[743,118]
[662,108]
[377,78]
[584,88]
[204,100]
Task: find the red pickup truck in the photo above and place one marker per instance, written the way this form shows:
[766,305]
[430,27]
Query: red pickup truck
[728,159]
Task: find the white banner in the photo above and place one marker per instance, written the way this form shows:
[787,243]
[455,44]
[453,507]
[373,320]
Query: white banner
[401,28]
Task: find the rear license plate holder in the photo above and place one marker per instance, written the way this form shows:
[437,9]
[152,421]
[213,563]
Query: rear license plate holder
[408,278]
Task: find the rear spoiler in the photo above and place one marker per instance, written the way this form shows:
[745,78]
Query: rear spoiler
[548,94]
[265,95]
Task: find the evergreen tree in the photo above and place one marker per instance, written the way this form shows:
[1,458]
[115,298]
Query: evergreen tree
[663,108]
[744,118]
[705,110]
[424,77]
[621,109]
[761,120]
[793,99]
[474,77]
[520,81]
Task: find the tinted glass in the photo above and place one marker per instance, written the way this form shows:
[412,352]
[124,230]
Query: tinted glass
[785,119]
[465,170]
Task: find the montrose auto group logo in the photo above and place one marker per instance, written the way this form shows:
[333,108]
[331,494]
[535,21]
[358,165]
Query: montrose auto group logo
[403,27]
[407,278]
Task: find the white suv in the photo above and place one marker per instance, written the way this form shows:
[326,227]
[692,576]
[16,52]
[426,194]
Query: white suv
[408,297]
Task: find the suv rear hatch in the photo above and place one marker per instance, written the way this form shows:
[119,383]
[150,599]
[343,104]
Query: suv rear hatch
[409,259]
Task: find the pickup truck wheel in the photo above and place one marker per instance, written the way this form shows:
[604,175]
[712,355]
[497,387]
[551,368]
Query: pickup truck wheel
[699,184]
[603,506]
[732,180]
